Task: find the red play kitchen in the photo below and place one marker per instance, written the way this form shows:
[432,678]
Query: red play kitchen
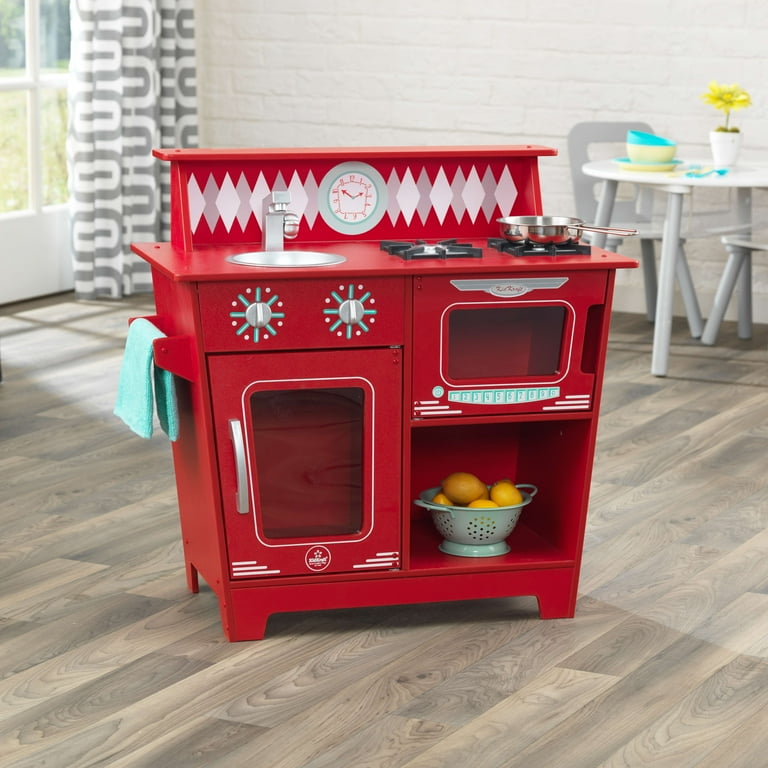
[346,327]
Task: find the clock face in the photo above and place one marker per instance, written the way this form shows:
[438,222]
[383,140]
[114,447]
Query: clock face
[352,198]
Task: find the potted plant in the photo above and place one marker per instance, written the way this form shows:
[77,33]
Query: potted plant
[725,140]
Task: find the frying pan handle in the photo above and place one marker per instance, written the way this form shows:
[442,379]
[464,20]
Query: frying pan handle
[606,230]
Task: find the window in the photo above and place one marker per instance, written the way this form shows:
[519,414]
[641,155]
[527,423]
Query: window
[309,454]
[505,343]
[34,62]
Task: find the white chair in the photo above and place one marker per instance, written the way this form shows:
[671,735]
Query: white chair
[600,141]
[737,274]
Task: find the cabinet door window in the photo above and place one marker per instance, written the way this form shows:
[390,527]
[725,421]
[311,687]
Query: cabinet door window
[505,343]
[308,445]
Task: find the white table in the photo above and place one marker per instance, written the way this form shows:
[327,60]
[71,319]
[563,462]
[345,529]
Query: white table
[743,178]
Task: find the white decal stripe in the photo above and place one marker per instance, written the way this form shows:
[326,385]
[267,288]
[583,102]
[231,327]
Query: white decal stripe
[566,407]
[375,565]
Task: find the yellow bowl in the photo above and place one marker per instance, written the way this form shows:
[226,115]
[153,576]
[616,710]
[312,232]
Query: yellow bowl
[651,153]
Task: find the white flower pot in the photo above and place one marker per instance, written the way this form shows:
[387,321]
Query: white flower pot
[725,148]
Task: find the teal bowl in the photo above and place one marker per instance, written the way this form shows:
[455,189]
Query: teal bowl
[640,137]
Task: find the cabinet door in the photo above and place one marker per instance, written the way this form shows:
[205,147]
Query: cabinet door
[309,447]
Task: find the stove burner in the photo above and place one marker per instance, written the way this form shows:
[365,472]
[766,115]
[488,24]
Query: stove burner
[528,248]
[445,249]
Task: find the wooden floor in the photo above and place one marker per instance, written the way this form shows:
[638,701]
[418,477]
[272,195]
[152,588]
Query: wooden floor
[108,661]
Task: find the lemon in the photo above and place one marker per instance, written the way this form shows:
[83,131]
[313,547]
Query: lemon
[463,487]
[441,498]
[505,494]
[486,503]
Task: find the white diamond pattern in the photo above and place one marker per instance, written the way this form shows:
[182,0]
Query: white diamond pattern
[311,206]
[211,212]
[440,195]
[260,191]
[280,182]
[506,192]
[457,185]
[489,202]
[464,194]
[425,187]
[298,196]
[227,202]
[196,202]
[408,196]
[473,194]
[243,195]
[393,209]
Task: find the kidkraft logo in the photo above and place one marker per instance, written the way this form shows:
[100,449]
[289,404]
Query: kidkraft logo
[508,289]
[317,558]
[516,287]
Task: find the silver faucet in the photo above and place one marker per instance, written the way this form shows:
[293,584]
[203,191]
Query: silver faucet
[279,222]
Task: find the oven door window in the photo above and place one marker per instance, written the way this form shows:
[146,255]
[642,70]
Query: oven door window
[504,343]
[308,449]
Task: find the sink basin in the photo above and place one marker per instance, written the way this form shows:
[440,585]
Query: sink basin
[286,259]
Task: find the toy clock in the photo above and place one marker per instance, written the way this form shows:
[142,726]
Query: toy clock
[352,198]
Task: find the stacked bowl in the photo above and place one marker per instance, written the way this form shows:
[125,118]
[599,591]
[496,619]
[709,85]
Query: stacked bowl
[648,152]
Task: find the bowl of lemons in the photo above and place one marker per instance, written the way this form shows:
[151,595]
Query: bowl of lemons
[473,518]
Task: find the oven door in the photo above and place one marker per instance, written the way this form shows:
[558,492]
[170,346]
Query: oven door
[506,343]
[309,460]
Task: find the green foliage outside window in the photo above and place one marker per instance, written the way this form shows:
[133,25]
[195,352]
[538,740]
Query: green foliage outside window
[15,104]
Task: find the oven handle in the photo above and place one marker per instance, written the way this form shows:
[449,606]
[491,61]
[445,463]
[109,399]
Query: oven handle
[236,435]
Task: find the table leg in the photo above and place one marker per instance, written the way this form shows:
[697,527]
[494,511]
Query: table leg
[648,263]
[744,293]
[688,292]
[744,285]
[737,274]
[734,267]
[604,211]
[670,246]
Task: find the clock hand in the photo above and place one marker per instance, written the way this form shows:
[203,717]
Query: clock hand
[349,194]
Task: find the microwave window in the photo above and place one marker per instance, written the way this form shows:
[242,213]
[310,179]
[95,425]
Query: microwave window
[505,342]
[308,447]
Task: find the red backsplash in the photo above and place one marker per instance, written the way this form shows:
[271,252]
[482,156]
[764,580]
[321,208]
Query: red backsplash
[420,192]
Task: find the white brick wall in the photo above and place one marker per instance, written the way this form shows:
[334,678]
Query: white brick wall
[396,72]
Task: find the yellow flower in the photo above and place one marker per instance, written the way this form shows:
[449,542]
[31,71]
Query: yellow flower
[726,98]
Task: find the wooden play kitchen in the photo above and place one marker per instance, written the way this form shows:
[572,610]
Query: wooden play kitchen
[347,327]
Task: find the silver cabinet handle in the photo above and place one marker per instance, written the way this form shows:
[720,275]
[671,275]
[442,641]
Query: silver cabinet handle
[236,435]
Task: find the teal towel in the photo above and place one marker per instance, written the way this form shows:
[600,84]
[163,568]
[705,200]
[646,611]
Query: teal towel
[138,376]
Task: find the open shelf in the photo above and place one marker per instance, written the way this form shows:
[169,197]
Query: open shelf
[528,550]
[553,455]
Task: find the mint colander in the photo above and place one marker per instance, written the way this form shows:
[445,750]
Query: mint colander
[475,531]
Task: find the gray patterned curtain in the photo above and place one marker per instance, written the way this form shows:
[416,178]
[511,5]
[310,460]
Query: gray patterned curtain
[132,88]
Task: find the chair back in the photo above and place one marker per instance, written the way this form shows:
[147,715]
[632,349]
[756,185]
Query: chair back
[601,141]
